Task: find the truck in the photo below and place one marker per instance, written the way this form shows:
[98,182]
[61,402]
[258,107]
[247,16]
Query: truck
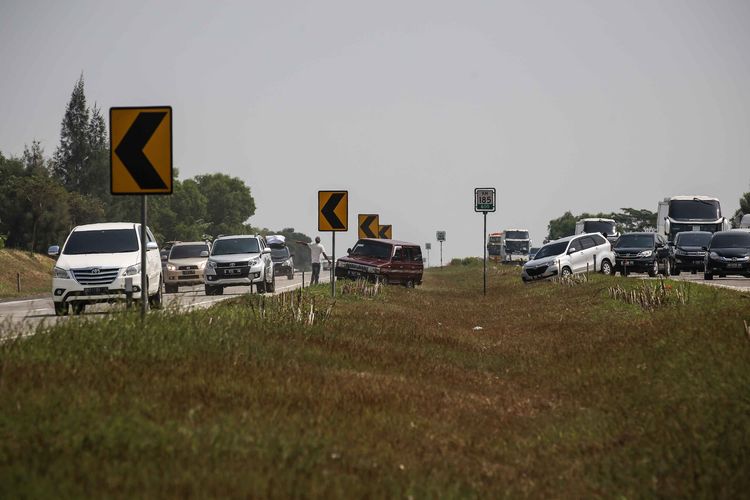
[496,246]
[605,227]
[517,245]
[689,213]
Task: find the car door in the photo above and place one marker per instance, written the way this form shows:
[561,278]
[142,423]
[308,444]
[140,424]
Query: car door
[153,262]
[576,251]
[398,265]
[600,251]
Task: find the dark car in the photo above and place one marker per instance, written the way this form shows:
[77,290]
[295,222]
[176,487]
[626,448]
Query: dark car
[728,252]
[389,261]
[642,253]
[687,251]
[283,260]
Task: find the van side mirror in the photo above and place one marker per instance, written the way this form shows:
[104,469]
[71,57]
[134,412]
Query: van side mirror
[53,251]
[572,250]
[705,249]
[164,256]
[204,253]
[265,251]
[151,245]
[348,251]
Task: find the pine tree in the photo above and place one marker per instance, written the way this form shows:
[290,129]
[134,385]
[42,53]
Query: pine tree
[33,159]
[75,149]
[96,169]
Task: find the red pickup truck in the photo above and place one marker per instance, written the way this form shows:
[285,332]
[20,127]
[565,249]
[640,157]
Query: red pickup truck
[390,261]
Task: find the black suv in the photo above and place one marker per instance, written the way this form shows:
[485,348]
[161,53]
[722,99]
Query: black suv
[728,252]
[283,261]
[642,253]
[687,251]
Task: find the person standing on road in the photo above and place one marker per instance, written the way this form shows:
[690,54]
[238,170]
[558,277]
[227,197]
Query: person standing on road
[316,250]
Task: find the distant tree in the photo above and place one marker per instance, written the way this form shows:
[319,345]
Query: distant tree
[75,149]
[562,226]
[33,159]
[743,210]
[85,209]
[96,169]
[634,220]
[229,203]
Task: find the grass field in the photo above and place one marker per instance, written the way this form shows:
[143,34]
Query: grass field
[565,391]
[35,270]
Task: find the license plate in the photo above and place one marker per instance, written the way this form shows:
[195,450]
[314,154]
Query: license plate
[627,262]
[734,265]
[95,291]
[233,271]
[188,272]
[354,274]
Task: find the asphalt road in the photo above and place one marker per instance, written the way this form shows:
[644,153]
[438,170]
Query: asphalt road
[734,282]
[22,316]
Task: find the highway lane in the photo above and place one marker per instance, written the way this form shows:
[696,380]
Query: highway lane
[738,283]
[24,315]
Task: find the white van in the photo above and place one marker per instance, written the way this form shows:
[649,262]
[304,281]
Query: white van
[571,255]
[102,263]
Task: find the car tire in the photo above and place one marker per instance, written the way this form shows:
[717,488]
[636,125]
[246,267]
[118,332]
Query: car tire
[676,270]
[210,290]
[566,271]
[667,268]
[290,276]
[171,288]
[61,308]
[708,276]
[78,308]
[271,287]
[409,284]
[155,300]
[607,268]
[654,271]
[260,287]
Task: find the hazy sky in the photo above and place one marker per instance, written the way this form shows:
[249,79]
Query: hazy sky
[410,105]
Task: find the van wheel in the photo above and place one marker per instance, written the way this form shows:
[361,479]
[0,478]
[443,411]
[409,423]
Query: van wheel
[655,269]
[607,268]
[290,276]
[78,308]
[409,284]
[271,287]
[708,276]
[211,290]
[667,268]
[155,300]
[61,308]
[566,272]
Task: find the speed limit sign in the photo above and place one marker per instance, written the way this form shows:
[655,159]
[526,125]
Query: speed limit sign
[484,199]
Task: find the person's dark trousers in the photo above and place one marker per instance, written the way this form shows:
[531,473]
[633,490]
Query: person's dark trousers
[315,274]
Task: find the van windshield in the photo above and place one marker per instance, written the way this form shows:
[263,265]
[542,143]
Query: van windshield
[187,251]
[598,226]
[692,239]
[279,252]
[740,239]
[102,241]
[372,249]
[231,246]
[516,235]
[695,209]
[635,241]
[551,249]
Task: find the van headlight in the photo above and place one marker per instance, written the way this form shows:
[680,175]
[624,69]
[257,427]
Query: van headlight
[253,262]
[132,270]
[171,267]
[341,264]
[211,264]
[646,253]
[714,256]
[59,272]
[202,265]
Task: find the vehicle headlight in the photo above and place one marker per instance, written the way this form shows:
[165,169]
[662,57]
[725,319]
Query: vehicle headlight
[253,262]
[134,269]
[646,253]
[288,262]
[680,252]
[211,264]
[171,267]
[342,265]
[714,255]
[374,270]
[59,272]
[202,265]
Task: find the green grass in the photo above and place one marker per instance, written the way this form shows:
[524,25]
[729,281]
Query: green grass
[564,392]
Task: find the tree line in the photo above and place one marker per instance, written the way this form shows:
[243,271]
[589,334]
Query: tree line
[42,198]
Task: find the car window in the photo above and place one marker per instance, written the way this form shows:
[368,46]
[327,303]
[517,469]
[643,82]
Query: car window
[398,254]
[187,251]
[587,242]
[416,254]
[231,246]
[599,240]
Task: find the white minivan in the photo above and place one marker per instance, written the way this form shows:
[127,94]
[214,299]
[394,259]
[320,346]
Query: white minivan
[571,255]
[102,263]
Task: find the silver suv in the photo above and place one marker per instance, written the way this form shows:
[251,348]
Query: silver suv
[238,261]
[571,255]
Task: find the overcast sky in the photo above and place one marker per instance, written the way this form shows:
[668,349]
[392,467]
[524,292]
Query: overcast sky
[410,105]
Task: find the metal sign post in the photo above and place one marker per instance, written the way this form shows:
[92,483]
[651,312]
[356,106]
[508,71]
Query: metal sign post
[140,163]
[484,201]
[144,282]
[427,247]
[333,216]
[441,238]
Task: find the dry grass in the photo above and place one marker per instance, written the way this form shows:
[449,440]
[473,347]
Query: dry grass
[35,269]
[564,392]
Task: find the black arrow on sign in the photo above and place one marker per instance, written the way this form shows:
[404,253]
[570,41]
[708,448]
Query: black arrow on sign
[328,210]
[130,150]
[383,231]
[365,226]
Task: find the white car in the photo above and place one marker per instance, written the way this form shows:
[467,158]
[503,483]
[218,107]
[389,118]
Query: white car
[238,261]
[571,255]
[102,263]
